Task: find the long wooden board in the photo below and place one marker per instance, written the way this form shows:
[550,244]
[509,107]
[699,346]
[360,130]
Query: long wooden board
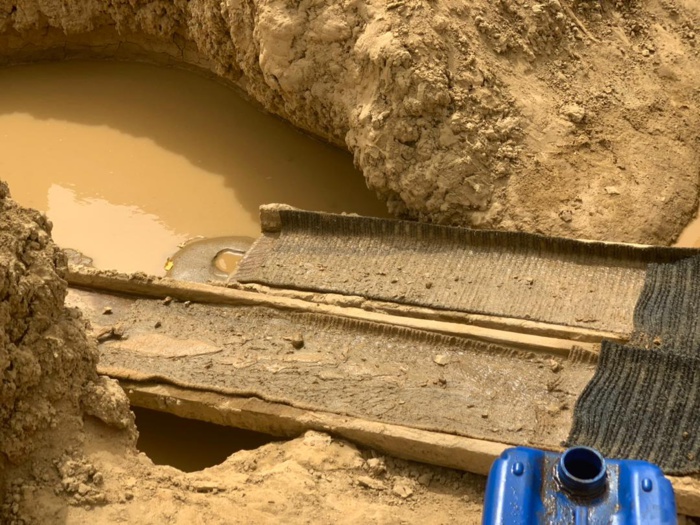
[550,339]
[472,455]
[496,273]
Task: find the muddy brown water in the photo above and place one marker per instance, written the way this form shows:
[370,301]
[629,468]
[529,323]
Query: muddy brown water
[130,160]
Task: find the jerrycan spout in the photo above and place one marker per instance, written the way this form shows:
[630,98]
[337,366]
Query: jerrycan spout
[582,471]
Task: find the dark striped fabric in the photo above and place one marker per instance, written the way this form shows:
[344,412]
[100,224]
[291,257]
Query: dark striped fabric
[667,315]
[643,401]
[642,404]
[509,274]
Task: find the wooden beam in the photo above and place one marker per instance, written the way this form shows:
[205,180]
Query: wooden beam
[445,450]
[154,287]
[507,324]
[472,455]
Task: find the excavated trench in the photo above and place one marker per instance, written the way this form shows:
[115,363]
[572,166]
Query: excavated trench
[492,115]
[190,445]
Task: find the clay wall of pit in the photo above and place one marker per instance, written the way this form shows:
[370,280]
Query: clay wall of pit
[575,121]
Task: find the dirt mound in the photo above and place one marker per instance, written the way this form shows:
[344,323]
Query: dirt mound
[311,479]
[568,118]
[47,364]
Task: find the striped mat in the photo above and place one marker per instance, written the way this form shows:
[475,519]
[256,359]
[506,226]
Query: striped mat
[508,274]
[644,400]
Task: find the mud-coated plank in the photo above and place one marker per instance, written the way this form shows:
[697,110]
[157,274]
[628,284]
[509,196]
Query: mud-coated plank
[507,274]
[417,445]
[472,455]
[542,339]
[378,372]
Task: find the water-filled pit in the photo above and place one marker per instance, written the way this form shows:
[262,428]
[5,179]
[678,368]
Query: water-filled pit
[130,161]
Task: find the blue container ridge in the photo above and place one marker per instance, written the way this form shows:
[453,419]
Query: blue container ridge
[579,487]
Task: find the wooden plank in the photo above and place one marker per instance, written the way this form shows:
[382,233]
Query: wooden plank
[155,287]
[472,455]
[507,274]
[523,326]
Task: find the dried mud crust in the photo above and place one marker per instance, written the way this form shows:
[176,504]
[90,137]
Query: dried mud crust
[574,118]
[47,364]
[366,370]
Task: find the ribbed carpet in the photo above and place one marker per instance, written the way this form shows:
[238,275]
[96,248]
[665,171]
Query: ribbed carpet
[667,315]
[508,274]
[644,400]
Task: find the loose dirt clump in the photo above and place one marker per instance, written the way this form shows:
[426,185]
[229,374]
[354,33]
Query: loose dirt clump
[311,479]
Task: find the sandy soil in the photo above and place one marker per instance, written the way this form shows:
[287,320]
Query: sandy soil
[312,479]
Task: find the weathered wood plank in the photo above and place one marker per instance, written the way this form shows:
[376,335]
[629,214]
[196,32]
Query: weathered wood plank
[548,340]
[446,450]
[472,455]
[507,324]
[505,274]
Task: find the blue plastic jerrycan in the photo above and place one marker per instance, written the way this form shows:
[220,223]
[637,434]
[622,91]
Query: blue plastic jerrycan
[578,487]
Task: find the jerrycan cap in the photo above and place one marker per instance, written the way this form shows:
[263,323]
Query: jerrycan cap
[582,471]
